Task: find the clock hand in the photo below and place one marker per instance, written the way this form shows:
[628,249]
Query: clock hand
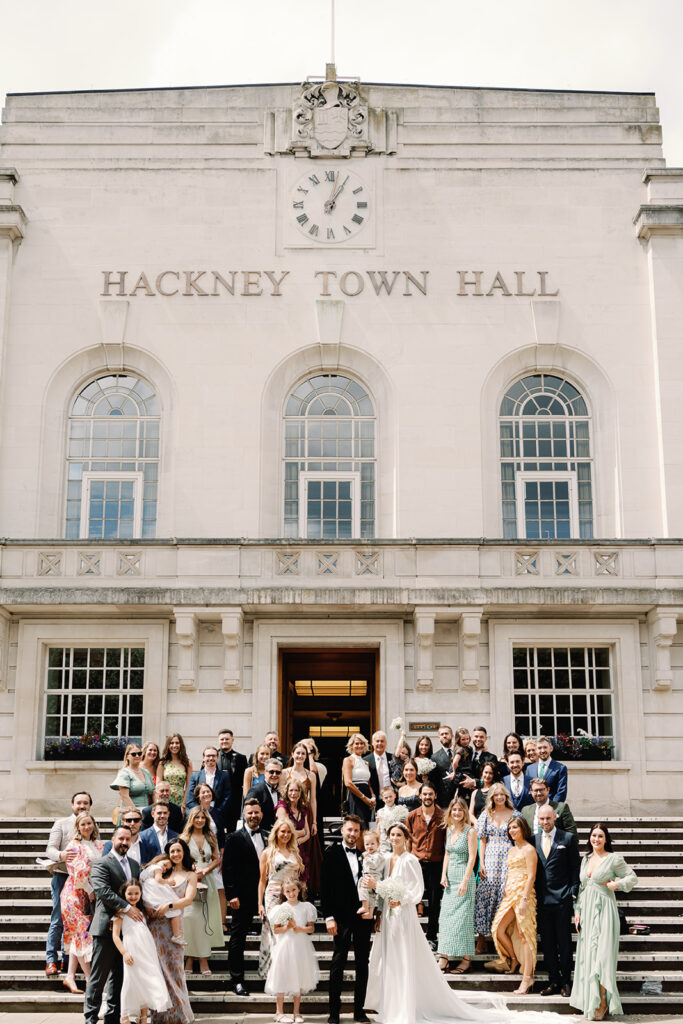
[329,203]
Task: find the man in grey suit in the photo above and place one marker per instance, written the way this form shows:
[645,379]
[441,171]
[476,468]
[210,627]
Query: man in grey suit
[540,792]
[107,875]
[61,835]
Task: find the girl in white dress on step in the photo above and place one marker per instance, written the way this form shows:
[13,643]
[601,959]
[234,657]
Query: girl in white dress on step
[293,967]
[143,986]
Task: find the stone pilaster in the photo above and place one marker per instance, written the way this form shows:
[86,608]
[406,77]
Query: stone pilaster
[186,627]
[232,623]
[663,626]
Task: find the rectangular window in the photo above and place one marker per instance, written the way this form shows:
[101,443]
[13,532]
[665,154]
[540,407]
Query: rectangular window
[330,506]
[111,505]
[547,506]
[94,690]
[563,691]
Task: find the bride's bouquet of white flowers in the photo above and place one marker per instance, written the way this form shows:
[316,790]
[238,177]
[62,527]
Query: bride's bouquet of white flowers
[397,724]
[392,890]
[425,765]
[389,816]
[282,915]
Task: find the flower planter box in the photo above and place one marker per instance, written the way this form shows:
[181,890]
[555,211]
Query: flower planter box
[582,748]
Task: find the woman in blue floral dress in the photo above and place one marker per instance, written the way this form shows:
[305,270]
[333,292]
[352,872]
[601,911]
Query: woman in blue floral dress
[494,844]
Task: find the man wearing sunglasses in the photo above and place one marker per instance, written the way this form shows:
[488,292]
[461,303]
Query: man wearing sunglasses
[267,793]
[132,817]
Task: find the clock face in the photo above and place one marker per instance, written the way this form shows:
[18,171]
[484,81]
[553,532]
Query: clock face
[330,206]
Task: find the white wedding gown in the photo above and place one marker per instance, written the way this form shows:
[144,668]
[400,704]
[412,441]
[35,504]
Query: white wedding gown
[406,986]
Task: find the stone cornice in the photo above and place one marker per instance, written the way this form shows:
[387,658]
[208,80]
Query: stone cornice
[659,219]
[13,221]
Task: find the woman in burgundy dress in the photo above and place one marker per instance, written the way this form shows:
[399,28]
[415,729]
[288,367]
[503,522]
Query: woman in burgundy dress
[293,807]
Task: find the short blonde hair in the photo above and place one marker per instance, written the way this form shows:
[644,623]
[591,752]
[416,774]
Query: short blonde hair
[352,740]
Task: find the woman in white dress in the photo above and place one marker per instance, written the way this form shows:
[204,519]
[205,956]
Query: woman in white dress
[356,776]
[406,986]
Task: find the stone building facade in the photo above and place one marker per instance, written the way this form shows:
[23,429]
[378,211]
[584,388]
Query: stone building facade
[326,404]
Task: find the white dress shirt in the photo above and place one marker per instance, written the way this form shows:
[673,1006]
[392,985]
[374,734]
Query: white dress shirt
[516,785]
[161,836]
[383,776]
[257,840]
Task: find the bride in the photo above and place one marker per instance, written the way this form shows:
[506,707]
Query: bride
[406,985]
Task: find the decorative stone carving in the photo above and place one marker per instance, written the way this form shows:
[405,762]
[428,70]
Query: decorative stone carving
[89,563]
[187,635]
[128,563]
[4,648]
[367,563]
[663,626]
[565,563]
[424,646]
[50,563]
[330,118]
[287,563]
[470,634]
[231,625]
[526,563]
[327,564]
[606,563]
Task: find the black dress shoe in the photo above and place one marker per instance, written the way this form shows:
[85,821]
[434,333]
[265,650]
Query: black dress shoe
[240,989]
[550,990]
[362,1018]
[565,991]
[333,1018]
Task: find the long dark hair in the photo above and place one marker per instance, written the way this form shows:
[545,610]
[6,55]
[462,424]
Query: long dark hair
[608,839]
[417,747]
[167,756]
[187,863]
[519,740]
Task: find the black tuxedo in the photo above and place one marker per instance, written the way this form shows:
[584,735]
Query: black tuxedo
[339,900]
[262,794]
[106,876]
[478,762]
[235,765]
[176,821]
[557,884]
[374,777]
[240,878]
[444,763]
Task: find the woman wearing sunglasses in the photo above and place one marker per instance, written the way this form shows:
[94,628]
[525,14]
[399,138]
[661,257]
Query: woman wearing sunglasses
[135,785]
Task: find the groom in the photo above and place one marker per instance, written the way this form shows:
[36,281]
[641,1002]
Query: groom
[342,867]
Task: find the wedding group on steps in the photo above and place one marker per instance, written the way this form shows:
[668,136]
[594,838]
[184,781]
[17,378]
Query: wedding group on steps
[262,870]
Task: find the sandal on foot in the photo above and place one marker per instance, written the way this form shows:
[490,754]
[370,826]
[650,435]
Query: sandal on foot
[443,963]
[463,966]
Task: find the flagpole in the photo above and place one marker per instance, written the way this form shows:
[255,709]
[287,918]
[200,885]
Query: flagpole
[332,31]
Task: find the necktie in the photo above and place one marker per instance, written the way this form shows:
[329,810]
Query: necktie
[546,843]
[541,770]
[126,867]
[517,787]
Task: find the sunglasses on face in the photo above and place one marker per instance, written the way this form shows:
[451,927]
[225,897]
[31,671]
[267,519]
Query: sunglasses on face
[135,753]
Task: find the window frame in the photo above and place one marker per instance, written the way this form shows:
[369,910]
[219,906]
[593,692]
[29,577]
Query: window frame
[306,476]
[91,476]
[544,475]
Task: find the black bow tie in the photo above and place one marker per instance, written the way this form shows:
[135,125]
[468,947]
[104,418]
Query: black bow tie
[351,849]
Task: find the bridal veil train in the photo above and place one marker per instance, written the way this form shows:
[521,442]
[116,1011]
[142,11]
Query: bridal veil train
[407,987]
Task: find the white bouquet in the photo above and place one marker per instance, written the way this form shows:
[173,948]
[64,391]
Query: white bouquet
[282,915]
[388,816]
[425,765]
[392,890]
[397,724]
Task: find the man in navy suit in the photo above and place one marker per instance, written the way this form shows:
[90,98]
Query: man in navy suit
[557,885]
[219,782]
[153,840]
[553,772]
[517,784]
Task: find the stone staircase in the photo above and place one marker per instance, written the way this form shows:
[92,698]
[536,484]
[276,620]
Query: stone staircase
[653,846]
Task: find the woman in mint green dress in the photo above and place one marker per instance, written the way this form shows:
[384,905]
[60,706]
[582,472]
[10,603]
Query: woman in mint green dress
[456,918]
[134,784]
[596,918]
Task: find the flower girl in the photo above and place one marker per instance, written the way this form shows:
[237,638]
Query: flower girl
[388,815]
[293,968]
[143,986]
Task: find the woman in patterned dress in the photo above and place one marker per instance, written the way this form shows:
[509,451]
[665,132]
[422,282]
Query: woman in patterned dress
[184,881]
[494,843]
[456,918]
[514,926]
[76,898]
[175,768]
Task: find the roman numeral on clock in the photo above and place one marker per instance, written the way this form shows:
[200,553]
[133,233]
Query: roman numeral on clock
[313,230]
[330,234]
[356,219]
[330,175]
[361,206]
[299,205]
[314,179]
[302,218]
[357,190]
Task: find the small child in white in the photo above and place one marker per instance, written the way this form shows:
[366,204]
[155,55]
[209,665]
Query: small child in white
[143,985]
[293,967]
[388,815]
[157,893]
[373,864]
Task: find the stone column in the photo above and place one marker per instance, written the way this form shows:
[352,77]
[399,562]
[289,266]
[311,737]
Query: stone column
[470,633]
[4,647]
[231,625]
[663,625]
[186,627]
[424,649]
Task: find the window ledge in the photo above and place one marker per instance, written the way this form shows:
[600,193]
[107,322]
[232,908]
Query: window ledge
[600,766]
[53,767]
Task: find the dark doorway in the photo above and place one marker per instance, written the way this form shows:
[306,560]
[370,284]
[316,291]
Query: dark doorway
[327,694]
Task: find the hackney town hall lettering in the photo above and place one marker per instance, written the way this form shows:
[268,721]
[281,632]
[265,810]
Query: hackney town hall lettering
[254,283]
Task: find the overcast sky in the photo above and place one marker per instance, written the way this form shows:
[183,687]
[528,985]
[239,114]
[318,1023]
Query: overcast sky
[621,45]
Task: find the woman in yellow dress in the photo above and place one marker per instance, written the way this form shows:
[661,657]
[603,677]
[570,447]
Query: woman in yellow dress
[175,768]
[514,926]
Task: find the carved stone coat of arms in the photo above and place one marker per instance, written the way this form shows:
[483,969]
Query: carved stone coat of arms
[330,119]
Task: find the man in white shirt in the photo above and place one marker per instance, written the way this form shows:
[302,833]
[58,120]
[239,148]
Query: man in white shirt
[516,783]
[61,835]
[243,849]
[380,766]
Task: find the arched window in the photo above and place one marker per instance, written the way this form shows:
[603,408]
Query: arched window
[113,459]
[545,452]
[329,459]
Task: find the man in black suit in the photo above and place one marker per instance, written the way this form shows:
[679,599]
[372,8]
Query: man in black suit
[267,793]
[342,867]
[107,875]
[218,780]
[557,884]
[235,764]
[443,759]
[380,766]
[480,755]
[241,856]
[272,741]
[162,794]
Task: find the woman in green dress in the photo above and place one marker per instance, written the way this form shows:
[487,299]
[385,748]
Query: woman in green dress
[456,918]
[175,768]
[202,925]
[597,921]
[134,784]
